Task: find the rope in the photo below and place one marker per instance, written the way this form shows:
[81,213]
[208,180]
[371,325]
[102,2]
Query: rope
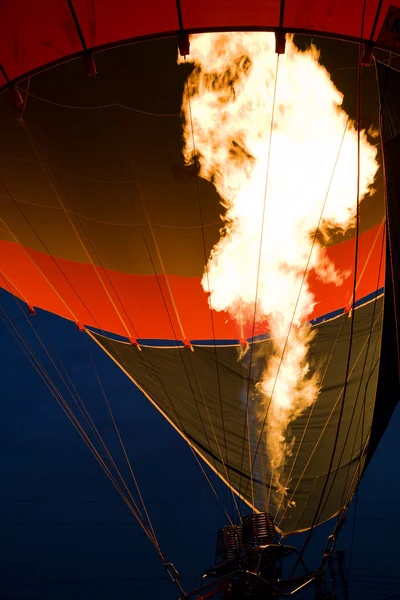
[52,258]
[88,255]
[215,438]
[98,435]
[43,373]
[327,422]
[122,445]
[362,416]
[164,301]
[353,530]
[211,311]
[258,278]
[85,413]
[328,363]
[390,253]
[353,487]
[54,261]
[11,285]
[362,453]
[112,223]
[347,371]
[302,284]
[158,252]
[170,569]
[368,258]
[91,179]
[297,301]
[32,260]
[88,419]
[99,327]
[63,207]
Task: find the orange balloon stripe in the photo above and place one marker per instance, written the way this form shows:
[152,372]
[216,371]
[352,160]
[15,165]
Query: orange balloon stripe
[141,298]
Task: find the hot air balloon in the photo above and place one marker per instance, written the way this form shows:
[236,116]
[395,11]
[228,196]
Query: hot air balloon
[191,187]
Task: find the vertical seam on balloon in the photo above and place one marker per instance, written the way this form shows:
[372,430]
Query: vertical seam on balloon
[250,459]
[356,480]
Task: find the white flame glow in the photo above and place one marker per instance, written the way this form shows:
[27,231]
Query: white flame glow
[279,183]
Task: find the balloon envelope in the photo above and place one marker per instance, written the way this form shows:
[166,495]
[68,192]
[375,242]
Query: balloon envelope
[102,223]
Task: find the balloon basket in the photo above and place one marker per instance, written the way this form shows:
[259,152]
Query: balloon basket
[249,561]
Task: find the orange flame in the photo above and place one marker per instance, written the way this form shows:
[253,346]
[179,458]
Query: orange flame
[282,155]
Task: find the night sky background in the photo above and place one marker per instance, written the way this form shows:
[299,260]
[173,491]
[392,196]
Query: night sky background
[65,532]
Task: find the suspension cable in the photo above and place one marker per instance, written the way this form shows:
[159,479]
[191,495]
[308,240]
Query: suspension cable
[298,296]
[328,363]
[121,442]
[217,368]
[350,345]
[369,337]
[67,279]
[248,380]
[340,395]
[50,384]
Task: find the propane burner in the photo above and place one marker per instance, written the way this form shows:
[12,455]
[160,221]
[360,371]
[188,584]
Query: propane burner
[229,543]
[259,529]
[248,563]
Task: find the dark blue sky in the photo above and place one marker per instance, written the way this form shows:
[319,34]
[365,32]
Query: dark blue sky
[65,532]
